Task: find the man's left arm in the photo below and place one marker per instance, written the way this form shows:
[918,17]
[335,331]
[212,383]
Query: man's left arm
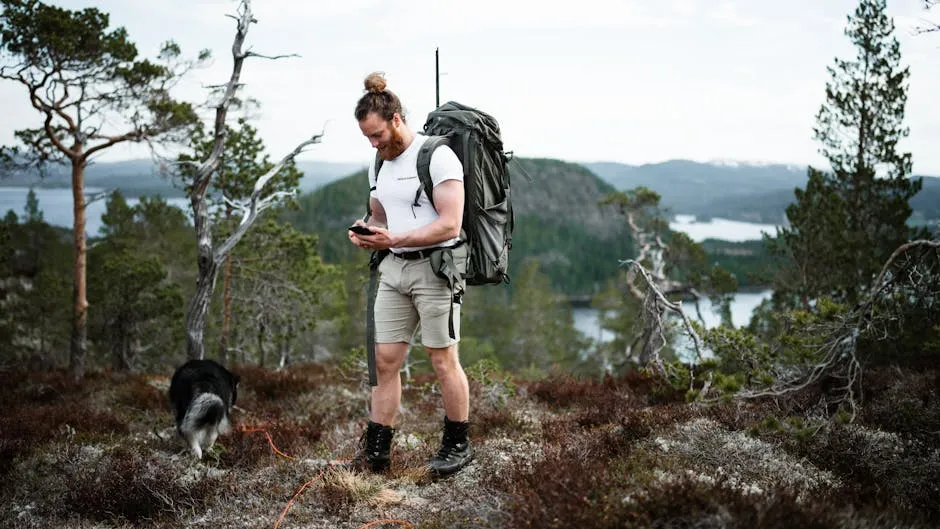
[448,191]
[449,200]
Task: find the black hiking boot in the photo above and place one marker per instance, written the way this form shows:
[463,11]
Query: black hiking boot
[455,450]
[374,449]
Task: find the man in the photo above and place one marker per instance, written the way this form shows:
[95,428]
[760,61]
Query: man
[409,292]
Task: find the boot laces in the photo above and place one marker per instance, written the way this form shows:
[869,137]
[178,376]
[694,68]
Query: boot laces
[374,444]
[449,444]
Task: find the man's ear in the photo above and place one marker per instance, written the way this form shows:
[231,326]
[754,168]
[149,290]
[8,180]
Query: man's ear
[397,120]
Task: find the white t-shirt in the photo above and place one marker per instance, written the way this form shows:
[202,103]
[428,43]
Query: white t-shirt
[399,182]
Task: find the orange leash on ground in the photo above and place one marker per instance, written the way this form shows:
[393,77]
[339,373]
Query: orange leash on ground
[290,503]
[246,429]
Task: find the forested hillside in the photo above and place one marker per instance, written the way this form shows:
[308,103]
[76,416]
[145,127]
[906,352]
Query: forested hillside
[558,218]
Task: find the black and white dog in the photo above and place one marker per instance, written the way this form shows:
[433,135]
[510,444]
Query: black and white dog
[202,392]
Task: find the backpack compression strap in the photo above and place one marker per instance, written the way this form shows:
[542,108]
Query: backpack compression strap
[374,260]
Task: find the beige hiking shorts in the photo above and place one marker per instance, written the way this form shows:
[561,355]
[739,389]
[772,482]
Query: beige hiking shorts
[409,293]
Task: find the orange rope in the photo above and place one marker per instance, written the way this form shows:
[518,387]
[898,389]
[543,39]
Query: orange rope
[290,503]
[245,429]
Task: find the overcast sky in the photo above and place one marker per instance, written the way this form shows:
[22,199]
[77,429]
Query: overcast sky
[633,81]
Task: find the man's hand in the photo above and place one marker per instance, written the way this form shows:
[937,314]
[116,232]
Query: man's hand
[381,240]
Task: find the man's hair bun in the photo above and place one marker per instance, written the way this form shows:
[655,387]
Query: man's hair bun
[375,83]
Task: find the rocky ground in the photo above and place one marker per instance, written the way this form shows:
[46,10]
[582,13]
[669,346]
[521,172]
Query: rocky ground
[622,452]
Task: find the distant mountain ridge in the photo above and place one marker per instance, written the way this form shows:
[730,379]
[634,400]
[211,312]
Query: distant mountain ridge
[744,191]
[738,191]
[143,177]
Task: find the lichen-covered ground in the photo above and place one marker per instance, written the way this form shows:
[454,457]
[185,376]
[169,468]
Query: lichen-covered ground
[561,452]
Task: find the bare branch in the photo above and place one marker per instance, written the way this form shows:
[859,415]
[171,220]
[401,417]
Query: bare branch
[271,57]
[134,135]
[839,363]
[210,164]
[653,319]
[902,249]
[257,204]
[98,196]
[259,185]
[928,26]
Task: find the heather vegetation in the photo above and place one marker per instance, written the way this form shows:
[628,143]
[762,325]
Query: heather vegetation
[560,451]
[823,411]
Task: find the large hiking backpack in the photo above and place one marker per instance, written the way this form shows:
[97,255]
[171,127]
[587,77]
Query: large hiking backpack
[487,218]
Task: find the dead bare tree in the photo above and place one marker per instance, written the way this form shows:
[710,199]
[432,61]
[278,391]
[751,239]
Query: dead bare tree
[838,355]
[640,209]
[655,305]
[209,257]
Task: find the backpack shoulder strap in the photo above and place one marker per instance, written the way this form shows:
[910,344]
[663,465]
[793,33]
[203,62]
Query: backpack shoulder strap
[424,166]
[377,165]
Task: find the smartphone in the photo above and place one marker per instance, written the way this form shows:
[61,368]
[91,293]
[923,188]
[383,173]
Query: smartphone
[361,230]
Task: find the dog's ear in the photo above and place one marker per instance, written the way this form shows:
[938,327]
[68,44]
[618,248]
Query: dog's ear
[236,378]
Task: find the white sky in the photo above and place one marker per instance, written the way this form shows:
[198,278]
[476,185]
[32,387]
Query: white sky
[633,81]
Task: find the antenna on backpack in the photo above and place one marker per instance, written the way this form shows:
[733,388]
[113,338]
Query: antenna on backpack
[437,79]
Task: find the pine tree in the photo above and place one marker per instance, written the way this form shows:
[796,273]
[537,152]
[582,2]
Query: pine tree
[138,305]
[92,91]
[32,211]
[846,223]
[282,290]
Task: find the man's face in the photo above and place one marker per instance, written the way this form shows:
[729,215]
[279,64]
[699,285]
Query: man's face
[385,136]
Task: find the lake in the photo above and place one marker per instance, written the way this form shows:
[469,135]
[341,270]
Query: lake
[717,228]
[585,318]
[56,205]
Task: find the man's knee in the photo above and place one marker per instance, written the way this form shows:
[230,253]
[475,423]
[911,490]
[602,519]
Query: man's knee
[389,357]
[444,360]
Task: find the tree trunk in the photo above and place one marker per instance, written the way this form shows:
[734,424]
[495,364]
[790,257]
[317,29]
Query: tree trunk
[286,340]
[79,341]
[205,283]
[226,311]
[119,354]
[134,349]
[226,301]
[261,344]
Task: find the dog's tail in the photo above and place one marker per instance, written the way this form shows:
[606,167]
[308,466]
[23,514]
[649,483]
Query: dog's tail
[205,419]
[206,410]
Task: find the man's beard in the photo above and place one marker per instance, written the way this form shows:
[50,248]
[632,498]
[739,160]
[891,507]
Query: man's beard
[394,147]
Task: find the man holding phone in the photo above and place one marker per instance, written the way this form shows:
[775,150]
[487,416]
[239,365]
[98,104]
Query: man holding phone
[409,292]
